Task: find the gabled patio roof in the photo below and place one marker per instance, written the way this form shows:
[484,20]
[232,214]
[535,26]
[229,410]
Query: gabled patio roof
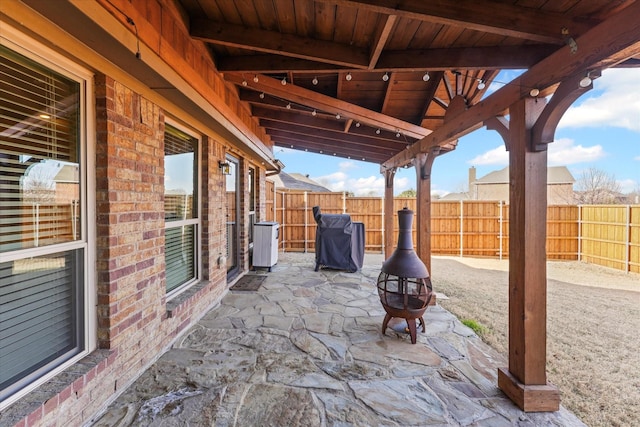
[368,79]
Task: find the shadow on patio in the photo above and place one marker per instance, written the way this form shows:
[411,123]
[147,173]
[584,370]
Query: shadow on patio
[306,349]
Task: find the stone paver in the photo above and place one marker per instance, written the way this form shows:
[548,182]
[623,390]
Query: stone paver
[306,349]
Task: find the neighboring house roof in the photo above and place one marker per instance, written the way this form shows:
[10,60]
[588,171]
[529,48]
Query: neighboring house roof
[297,181]
[555,175]
[68,173]
[456,196]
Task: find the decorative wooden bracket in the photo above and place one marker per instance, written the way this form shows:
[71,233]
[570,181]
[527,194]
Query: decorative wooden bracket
[543,132]
[423,162]
[501,125]
[389,174]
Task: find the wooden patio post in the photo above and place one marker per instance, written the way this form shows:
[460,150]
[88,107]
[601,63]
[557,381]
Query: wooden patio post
[423,163]
[525,381]
[389,174]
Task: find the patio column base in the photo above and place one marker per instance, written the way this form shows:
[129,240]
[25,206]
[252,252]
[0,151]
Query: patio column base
[529,398]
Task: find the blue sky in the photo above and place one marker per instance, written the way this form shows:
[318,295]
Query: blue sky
[601,130]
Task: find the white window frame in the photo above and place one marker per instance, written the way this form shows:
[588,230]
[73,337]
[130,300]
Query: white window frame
[13,39]
[197,221]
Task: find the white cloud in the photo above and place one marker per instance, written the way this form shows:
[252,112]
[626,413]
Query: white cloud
[366,186]
[496,156]
[637,158]
[561,152]
[618,105]
[628,185]
[565,152]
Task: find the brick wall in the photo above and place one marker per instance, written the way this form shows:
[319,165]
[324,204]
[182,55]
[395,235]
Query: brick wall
[135,322]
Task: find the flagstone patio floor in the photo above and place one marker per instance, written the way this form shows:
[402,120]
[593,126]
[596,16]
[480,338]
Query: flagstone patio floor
[306,349]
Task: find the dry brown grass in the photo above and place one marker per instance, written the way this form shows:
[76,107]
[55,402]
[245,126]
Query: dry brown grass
[593,331]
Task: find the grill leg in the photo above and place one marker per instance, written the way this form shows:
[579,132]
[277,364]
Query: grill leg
[412,329]
[386,322]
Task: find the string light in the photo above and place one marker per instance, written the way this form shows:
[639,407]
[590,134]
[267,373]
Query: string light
[348,77]
[315,81]
[313,113]
[481,84]
[244,83]
[357,124]
[378,131]
[255,79]
[262,95]
[338,116]
[283,81]
[426,77]
[385,78]
[289,106]
[534,92]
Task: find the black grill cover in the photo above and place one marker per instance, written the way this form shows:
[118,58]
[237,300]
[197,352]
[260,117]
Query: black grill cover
[339,241]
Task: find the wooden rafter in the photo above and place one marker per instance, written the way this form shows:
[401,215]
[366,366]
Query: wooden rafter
[322,102]
[277,43]
[491,17]
[380,40]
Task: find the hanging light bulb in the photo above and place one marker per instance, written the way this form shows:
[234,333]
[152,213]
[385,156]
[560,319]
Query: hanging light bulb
[338,116]
[255,78]
[315,81]
[289,106]
[534,92]
[385,77]
[283,81]
[348,77]
[426,77]
[357,124]
[586,81]
[378,131]
[244,83]
[262,95]
[481,85]
[313,113]
[397,134]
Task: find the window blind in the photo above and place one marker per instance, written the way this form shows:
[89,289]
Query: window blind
[39,180]
[179,255]
[41,302]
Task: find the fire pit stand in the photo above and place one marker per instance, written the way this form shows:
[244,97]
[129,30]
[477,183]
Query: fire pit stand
[404,286]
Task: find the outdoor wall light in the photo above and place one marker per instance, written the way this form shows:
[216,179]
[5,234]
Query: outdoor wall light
[225,167]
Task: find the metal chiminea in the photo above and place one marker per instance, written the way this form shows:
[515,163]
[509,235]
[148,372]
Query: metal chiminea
[404,286]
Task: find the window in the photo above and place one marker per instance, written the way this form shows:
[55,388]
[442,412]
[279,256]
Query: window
[44,247]
[180,208]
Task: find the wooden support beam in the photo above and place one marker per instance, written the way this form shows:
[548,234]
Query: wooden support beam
[437,59]
[498,18]
[322,102]
[388,212]
[525,382]
[601,45]
[423,164]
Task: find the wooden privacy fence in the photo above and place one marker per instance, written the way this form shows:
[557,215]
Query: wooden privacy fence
[605,235]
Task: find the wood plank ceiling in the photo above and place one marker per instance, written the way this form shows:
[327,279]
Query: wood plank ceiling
[366,79]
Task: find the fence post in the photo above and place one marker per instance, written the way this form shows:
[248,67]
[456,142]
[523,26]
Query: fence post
[284,241]
[461,227]
[344,202]
[304,213]
[627,262]
[383,234]
[579,232]
[500,222]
